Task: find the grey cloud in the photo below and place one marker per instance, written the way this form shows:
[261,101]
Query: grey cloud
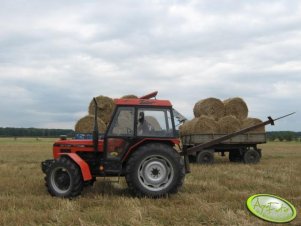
[55,56]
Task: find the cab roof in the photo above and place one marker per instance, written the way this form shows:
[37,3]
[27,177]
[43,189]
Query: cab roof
[143,102]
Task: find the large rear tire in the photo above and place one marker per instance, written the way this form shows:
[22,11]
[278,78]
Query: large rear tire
[64,178]
[155,170]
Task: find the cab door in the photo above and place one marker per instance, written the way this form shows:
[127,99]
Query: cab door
[120,134]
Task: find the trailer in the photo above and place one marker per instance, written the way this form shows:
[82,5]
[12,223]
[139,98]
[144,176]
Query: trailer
[240,148]
[241,145]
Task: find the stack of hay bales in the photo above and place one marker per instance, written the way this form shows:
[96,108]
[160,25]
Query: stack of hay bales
[106,107]
[213,116]
[86,124]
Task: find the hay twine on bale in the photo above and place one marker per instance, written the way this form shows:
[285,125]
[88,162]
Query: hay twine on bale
[106,107]
[229,124]
[129,96]
[236,107]
[248,122]
[211,107]
[86,125]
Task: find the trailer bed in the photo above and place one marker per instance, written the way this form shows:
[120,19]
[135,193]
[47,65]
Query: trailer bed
[249,138]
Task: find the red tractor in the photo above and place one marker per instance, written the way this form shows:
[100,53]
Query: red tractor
[130,147]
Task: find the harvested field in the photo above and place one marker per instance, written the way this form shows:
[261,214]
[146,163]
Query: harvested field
[211,195]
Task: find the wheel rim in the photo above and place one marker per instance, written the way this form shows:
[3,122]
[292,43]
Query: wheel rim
[155,173]
[60,180]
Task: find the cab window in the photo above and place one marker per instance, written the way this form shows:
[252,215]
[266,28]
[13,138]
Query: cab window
[154,122]
[123,122]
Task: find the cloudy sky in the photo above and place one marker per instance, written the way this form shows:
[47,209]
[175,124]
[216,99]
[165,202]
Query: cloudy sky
[56,55]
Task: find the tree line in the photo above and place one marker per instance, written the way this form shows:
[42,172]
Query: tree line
[34,132]
[284,136]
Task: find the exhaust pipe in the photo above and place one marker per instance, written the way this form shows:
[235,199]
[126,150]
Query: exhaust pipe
[95,130]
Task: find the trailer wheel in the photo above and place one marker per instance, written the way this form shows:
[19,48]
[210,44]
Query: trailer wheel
[251,156]
[64,178]
[155,170]
[205,157]
[235,156]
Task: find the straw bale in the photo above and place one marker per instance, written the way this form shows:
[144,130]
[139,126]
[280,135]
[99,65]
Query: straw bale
[129,96]
[251,122]
[86,125]
[186,127]
[211,107]
[229,124]
[105,108]
[153,122]
[204,125]
[236,107]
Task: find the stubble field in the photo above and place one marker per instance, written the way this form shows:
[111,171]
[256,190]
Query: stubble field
[211,195]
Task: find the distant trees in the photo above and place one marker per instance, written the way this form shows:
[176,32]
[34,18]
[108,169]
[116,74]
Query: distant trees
[33,132]
[284,136]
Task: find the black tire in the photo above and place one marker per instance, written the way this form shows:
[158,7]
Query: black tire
[251,156]
[64,178]
[235,156]
[205,157]
[155,170]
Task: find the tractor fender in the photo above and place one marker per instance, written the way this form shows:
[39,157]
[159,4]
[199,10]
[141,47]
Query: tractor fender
[171,142]
[84,167]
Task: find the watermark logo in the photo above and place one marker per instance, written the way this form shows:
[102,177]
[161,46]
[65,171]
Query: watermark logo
[271,208]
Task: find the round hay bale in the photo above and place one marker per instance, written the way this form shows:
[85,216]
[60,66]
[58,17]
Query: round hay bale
[86,125]
[229,124]
[153,122]
[248,122]
[129,96]
[211,107]
[186,127]
[236,107]
[123,125]
[204,125]
[105,108]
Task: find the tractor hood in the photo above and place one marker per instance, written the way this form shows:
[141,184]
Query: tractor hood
[73,146]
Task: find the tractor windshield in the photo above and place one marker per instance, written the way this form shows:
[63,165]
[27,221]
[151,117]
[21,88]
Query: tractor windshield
[154,123]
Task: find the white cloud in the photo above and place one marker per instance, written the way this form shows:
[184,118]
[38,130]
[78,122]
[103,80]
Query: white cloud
[56,55]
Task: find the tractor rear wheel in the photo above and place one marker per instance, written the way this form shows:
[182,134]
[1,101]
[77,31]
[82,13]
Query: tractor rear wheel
[155,170]
[64,178]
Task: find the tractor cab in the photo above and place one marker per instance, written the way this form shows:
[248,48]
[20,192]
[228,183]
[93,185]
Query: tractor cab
[136,121]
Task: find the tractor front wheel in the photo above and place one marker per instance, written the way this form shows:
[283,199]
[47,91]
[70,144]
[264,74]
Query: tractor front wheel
[64,178]
[155,170]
